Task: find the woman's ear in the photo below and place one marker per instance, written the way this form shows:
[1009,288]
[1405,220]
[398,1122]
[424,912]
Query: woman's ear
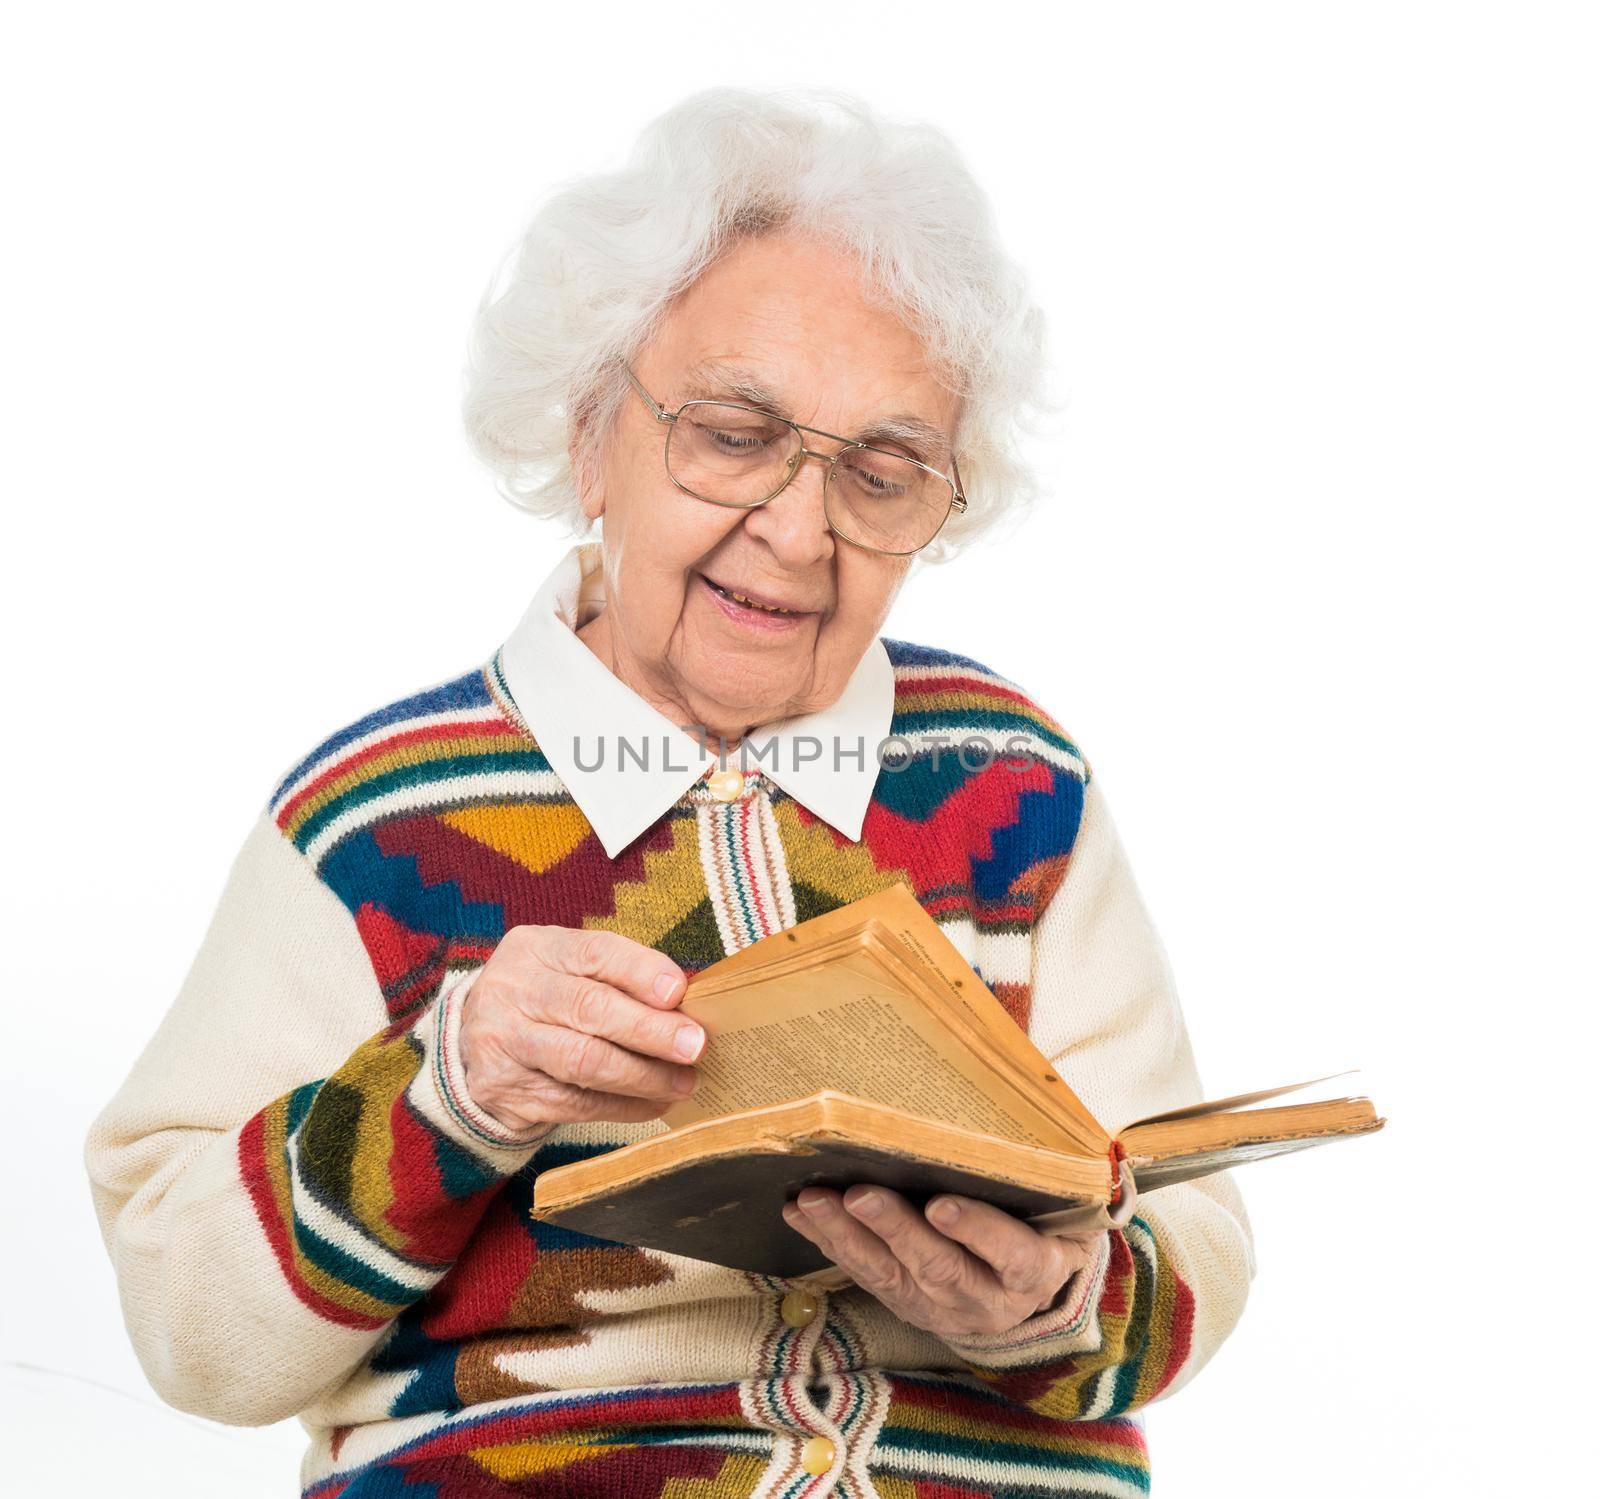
[586,475]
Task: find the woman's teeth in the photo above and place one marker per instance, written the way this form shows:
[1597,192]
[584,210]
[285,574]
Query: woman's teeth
[728,593]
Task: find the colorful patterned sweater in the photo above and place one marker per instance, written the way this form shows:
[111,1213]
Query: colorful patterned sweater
[308,1215]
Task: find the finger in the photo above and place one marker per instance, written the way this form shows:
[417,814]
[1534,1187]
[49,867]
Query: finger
[599,1065]
[598,1009]
[592,952]
[801,1223]
[798,1222]
[854,1246]
[1078,1249]
[1020,1257]
[940,1266]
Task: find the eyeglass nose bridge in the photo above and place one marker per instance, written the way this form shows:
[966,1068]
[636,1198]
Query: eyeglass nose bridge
[802,453]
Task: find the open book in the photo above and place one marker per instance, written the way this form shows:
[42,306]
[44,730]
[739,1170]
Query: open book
[860,1046]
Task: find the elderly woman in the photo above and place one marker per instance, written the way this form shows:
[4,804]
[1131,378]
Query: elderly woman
[773,359]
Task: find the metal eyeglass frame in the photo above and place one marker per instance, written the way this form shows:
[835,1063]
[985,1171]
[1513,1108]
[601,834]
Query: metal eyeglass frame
[958,500]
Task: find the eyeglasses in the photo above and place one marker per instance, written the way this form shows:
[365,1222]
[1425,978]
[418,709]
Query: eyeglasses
[731,454]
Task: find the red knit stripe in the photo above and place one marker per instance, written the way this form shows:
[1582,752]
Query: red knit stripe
[914,686]
[252,1167]
[474,729]
[644,1408]
[1181,1333]
[949,1399]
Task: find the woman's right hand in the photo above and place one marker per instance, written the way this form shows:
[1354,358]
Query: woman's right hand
[563,1025]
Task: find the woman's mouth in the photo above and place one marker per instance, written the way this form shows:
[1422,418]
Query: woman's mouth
[748,611]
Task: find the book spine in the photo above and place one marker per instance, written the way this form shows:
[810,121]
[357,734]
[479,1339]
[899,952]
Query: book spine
[1118,1155]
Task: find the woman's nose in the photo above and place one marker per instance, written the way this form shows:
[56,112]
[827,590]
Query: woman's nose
[794,522]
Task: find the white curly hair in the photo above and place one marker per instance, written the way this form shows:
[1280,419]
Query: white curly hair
[605,255]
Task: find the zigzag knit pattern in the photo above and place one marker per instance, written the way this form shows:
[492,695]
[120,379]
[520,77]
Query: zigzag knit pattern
[439,824]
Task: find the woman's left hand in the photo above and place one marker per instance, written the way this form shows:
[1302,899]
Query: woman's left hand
[973,1273]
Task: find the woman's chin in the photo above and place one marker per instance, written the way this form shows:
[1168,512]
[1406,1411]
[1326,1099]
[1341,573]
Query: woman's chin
[750,672]
[735,694]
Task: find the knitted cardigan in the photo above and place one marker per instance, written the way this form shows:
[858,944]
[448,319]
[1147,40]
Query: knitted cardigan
[307,1213]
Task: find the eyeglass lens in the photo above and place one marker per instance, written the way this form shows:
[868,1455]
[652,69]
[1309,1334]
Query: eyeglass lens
[733,455]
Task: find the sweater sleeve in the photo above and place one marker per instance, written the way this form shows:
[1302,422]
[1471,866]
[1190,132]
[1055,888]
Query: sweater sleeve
[286,1167]
[1162,1292]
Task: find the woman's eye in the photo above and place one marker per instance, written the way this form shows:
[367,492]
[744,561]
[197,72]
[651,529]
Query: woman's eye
[877,485]
[739,442]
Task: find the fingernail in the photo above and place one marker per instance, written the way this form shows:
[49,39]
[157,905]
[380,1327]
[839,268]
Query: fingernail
[810,1200]
[867,1204]
[686,1084]
[944,1212]
[664,985]
[790,1212]
[688,1041]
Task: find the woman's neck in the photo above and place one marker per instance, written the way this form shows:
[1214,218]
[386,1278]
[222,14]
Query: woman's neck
[603,642]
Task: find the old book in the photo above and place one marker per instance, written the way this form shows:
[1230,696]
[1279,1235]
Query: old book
[860,1046]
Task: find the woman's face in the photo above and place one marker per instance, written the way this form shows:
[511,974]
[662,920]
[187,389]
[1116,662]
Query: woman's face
[782,313]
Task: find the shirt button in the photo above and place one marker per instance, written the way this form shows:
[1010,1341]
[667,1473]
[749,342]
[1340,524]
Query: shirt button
[817,1455]
[725,785]
[798,1308]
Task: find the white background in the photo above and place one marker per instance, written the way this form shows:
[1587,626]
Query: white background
[1312,586]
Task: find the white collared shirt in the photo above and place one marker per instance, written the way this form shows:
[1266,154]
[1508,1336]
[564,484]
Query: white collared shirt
[626,763]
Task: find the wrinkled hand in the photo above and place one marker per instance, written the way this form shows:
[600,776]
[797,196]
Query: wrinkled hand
[972,1272]
[562,1024]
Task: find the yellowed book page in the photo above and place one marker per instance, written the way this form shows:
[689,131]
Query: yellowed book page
[810,933]
[895,908]
[917,958]
[972,1009]
[851,1031]
[1174,1137]
[1217,1105]
[802,957]
[895,915]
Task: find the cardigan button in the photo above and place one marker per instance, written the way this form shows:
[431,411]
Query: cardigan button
[817,1456]
[798,1308]
[725,785]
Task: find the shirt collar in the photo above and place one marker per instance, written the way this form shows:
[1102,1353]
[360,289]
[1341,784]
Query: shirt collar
[581,715]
